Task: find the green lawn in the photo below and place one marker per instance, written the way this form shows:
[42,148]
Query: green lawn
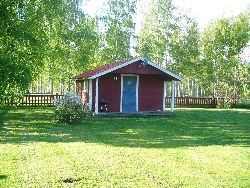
[193,148]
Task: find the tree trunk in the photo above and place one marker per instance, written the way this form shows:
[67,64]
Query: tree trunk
[51,86]
[41,85]
[37,85]
[62,86]
[197,90]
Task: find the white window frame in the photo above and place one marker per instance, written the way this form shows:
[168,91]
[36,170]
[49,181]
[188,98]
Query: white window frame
[97,95]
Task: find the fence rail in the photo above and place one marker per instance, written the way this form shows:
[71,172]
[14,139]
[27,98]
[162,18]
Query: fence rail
[47,99]
[34,100]
[199,102]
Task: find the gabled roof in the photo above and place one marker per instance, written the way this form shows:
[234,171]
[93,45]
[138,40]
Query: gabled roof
[107,68]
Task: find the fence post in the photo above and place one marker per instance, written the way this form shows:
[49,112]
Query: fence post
[233,102]
[187,101]
[214,103]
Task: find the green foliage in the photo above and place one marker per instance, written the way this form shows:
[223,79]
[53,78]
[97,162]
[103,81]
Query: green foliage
[222,43]
[224,103]
[14,79]
[184,50]
[72,43]
[70,109]
[243,103]
[119,30]
[55,40]
[50,38]
[158,25]
[211,59]
[172,39]
[21,47]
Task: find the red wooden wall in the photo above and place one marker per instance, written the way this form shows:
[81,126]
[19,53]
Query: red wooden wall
[110,90]
[138,68]
[150,93]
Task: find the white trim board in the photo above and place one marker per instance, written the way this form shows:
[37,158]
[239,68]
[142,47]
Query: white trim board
[164,70]
[135,60]
[164,95]
[96,95]
[115,68]
[137,93]
[137,90]
[90,95]
[172,95]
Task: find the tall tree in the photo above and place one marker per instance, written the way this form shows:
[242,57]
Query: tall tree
[22,40]
[170,38]
[222,43]
[73,42]
[184,55]
[168,35]
[119,29]
[158,25]
[184,50]
[54,39]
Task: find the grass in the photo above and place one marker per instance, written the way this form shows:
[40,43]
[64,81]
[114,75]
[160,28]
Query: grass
[193,148]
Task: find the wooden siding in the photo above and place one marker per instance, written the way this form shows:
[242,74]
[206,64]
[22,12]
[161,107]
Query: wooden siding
[110,90]
[80,91]
[150,93]
[139,68]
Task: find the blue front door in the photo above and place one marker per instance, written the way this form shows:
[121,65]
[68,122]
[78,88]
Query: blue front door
[129,94]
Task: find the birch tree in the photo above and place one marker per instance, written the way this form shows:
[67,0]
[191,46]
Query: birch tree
[222,43]
[119,30]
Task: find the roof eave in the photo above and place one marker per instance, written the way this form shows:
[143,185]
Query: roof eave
[177,78]
[115,68]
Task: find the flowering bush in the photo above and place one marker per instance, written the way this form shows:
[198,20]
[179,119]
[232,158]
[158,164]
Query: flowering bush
[70,109]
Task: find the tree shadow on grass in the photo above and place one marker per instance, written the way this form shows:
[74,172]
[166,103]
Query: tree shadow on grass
[3,112]
[2,177]
[189,128]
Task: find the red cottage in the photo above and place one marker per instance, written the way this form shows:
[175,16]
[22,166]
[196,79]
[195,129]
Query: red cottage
[126,86]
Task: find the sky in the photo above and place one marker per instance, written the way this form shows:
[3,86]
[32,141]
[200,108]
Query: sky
[203,10]
[206,10]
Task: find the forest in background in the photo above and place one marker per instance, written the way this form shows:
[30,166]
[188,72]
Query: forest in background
[44,44]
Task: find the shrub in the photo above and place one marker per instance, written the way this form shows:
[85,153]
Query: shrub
[224,103]
[70,109]
[243,103]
